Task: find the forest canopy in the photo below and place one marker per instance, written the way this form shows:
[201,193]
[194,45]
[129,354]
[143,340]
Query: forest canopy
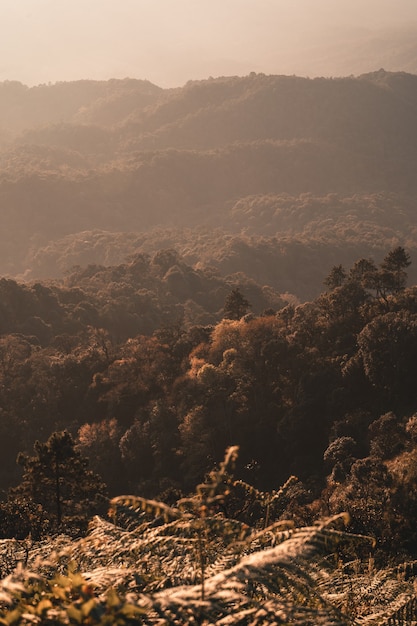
[313,403]
[154,369]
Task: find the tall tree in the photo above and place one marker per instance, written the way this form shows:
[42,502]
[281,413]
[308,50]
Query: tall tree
[336,278]
[57,477]
[236,305]
[393,269]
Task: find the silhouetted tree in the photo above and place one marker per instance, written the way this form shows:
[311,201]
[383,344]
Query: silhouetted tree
[393,270]
[336,278]
[236,305]
[365,272]
[57,477]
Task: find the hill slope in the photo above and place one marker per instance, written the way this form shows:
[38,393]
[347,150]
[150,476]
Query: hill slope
[232,153]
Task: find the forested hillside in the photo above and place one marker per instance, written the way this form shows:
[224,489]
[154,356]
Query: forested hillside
[156,368]
[208,300]
[256,174]
[135,379]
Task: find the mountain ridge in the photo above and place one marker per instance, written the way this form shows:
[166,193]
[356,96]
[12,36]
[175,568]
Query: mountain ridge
[128,156]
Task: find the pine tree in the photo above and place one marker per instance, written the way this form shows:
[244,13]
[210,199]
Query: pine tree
[393,269]
[57,478]
[336,278]
[236,305]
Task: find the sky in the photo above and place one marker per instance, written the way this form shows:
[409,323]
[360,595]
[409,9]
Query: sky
[172,41]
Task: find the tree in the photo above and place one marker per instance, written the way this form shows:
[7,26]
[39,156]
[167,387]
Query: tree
[365,493]
[390,277]
[336,278]
[340,455]
[393,268]
[365,272]
[99,441]
[236,305]
[388,350]
[387,435]
[57,478]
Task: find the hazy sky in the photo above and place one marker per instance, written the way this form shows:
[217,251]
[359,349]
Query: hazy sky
[172,41]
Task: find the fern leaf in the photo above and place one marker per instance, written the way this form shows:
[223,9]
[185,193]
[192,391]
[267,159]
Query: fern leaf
[148,506]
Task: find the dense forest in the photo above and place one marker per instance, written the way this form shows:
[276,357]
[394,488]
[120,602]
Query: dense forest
[208,301]
[134,379]
[155,369]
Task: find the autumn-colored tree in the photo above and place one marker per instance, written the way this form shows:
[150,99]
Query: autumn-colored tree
[99,442]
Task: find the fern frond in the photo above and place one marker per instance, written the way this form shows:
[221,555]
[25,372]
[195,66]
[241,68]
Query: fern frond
[279,572]
[274,533]
[283,491]
[247,489]
[294,582]
[218,481]
[340,521]
[152,507]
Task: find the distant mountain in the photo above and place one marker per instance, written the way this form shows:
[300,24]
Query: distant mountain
[356,51]
[22,107]
[237,156]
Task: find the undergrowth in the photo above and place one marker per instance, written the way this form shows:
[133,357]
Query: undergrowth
[191,564]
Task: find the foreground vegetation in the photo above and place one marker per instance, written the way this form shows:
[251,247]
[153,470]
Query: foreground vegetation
[198,566]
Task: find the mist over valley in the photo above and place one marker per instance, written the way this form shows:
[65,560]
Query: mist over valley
[247,174]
